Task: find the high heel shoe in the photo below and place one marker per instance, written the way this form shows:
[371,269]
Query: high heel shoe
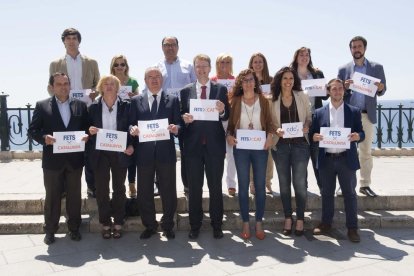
[260,234]
[299,232]
[285,231]
[245,234]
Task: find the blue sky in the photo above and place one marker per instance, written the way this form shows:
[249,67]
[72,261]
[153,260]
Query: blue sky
[31,36]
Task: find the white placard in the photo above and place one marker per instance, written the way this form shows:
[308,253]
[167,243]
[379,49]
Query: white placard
[123,92]
[204,110]
[314,87]
[68,141]
[251,139]
[364,84]
[335,138]
[265,88]
[82,95]
[293,130]
[153,130]
[111,140]
[227,83]
[174,91]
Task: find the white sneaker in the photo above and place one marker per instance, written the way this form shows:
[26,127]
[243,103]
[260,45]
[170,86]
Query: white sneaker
[339,192]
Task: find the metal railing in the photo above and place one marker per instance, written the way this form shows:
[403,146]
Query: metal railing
[394,127]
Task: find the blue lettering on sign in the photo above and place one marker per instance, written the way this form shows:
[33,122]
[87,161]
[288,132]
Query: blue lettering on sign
[111,136]
[77,95]
[153,126]
[334,133]
[69,138]
[365,80]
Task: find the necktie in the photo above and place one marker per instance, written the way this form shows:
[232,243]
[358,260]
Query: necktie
[203,92]
[154,107]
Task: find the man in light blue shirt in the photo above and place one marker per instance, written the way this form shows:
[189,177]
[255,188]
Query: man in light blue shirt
[176,74]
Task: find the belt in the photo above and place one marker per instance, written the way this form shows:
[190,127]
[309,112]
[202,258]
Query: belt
[336,154]
[364,111]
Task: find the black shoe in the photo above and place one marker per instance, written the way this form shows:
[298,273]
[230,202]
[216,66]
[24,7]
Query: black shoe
[185,190]
[75,235]
[169,234]
[367,191]
[217,233]
[49,238]
[156,191]
[91,193]
[353,235]
[63,195]
[147,234]
[193,234]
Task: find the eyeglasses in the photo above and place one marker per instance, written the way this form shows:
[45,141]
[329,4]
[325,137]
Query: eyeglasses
[168,45]
[248,80]
[119,64]
[225,62]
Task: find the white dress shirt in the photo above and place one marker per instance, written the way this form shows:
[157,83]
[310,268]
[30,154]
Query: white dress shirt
[151,99]
[336,119]
[109,115]
[198,89]
[74,67]
[64,110]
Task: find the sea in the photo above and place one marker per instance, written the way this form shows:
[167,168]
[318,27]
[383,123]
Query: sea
[19,140]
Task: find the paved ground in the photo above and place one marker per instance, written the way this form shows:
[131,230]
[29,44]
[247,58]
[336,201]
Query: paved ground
[381,251]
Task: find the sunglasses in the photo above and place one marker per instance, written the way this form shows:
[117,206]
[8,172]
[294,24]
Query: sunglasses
[119,64]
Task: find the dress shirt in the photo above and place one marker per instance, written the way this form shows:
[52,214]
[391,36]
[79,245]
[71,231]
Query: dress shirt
[198,88]
[151,99]
[358,99]
[336,119]
[74,67]
[177,74]
[109,115]
[64,110]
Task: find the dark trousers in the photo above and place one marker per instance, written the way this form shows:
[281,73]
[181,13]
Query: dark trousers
[337,167]
[108,163]
[89,174]
[166,175]
[213,165]
[182,157]
[132,172]
[54,181]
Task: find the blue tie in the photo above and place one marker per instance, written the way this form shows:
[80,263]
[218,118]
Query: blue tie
[154,107]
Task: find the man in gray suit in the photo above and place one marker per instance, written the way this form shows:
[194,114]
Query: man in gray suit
[83,73]
[366,104]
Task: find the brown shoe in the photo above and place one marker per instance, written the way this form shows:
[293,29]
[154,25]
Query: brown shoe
[353,235]
[132,190]
[322,229]
[232,191]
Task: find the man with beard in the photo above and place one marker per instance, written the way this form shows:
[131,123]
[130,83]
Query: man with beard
[366,104]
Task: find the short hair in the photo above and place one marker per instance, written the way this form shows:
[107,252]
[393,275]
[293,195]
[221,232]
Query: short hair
[276,87]
[52,77]
[294,63]
[113,62]
[328,86]
[165,37]
[265,73]
[221,57]
[202,57]
[104,79]
[358,38]
[237,90]
[71,31]
[150,69]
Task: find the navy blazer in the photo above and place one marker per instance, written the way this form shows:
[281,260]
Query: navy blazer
[122,124]
[352,119]
[374,70]
[46,120]
[168,108]
[212,131]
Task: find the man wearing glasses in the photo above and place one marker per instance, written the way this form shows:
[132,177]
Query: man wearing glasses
[83,73]
[176,74]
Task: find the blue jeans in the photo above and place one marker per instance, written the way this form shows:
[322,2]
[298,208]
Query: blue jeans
[291,164]
[258,160]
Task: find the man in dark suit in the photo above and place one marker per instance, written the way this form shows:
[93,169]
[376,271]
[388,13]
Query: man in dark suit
[204,148]
[59,113]
[156,157]
[366,104]
[335,162]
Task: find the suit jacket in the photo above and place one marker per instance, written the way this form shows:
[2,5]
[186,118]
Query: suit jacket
[303,107]
[90,71]
[374,70]
[122,124]
[168,108]
[46,120]
[212,131]
[352,119]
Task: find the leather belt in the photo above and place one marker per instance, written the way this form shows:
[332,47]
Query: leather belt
[336,154]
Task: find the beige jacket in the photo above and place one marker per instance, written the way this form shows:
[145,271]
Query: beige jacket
[304,112]
[90,71]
